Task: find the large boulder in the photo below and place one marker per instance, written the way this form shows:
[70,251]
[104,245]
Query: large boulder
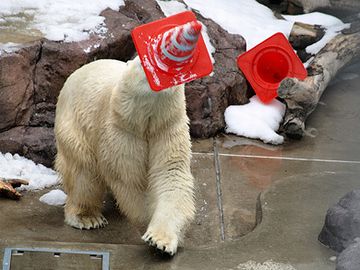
[32,77]
[36,143]
[17,86]
[58,59]
[341,231]
[208,97]
[349,259]
[342,222]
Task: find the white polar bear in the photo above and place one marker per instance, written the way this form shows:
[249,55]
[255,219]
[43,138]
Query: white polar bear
[112,130]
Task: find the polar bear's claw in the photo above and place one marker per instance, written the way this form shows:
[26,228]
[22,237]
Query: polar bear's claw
[87,223]
[164,242]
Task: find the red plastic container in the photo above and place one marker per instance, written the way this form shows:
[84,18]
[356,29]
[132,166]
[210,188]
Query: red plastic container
[172,50]
[268,63]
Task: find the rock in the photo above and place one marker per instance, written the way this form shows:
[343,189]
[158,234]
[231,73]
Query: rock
[16,86]
[35,143]
[142,11]
[44,115]
[349,259]
[58,59]
[342,222]
[31,79]
[208,97]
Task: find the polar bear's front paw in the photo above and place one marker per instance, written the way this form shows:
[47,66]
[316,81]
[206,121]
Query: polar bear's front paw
[162,240]
[86,222]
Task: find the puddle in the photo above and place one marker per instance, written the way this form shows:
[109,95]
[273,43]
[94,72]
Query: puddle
[311,132]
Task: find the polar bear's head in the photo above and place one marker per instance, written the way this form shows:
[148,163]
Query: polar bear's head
[136,80]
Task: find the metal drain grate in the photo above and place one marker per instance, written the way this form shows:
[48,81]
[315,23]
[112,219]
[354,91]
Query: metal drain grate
[54,259]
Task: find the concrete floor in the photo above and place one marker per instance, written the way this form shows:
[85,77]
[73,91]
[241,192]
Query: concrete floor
[255,202]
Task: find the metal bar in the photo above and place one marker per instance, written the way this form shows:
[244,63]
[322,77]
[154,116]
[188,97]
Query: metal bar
[104,255]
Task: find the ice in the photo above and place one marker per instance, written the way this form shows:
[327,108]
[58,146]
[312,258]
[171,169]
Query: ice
[253,21]
[331,24]
[314,18]
[16,166]
[256,120]
[59,20]
[256,22]
[268,265]
[54,197]
[330,33]
[171,7]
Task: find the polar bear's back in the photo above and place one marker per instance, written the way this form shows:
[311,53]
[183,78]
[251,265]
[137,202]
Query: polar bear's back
[92,80]
[87,92]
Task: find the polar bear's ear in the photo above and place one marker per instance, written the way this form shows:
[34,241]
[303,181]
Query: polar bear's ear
[172,50]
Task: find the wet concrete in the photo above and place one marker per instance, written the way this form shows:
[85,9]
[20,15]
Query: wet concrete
[254,202]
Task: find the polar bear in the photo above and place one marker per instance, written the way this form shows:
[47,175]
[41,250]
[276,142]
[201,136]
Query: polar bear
[113,131]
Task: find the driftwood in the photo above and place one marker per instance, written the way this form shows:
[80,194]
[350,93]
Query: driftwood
[303,35]
[7,188]
[302,97]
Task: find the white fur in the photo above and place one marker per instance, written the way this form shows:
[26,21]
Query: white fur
[112,130]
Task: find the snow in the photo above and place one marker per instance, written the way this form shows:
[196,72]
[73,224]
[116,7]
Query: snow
[88,49]
[268,265]
[256,120]
[173,7]
[329,34]
[59,20]
[314,18]
[39,176]
[253,21]
[308,62]
[9,47]
[256,22]
[54,197]
[208,44]
[332,24]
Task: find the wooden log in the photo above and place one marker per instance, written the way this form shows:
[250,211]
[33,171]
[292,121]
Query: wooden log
[302,97]
[7,188]
[303,35]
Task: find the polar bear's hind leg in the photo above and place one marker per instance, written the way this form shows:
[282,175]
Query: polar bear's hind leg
[84,202]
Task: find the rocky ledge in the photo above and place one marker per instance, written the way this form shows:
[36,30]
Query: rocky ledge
[32,77]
